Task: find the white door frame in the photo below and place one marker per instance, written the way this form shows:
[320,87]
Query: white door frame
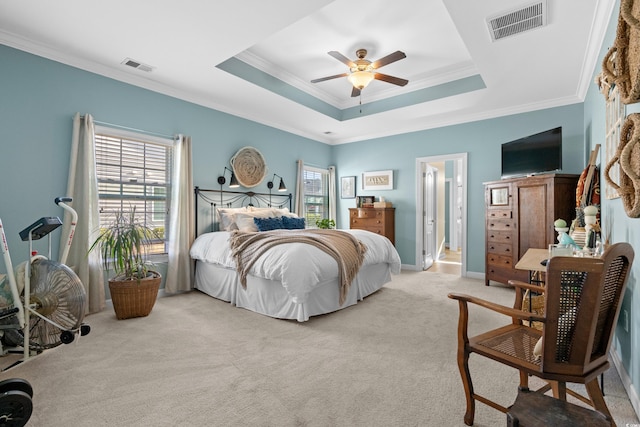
[453,238]
[429,191]
[420,200]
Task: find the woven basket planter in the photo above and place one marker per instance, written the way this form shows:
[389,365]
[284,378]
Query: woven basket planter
[133,298]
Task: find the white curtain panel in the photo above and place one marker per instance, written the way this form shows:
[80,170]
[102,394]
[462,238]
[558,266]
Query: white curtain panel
[180,271]
[299,206]
[82,186]
[332,193]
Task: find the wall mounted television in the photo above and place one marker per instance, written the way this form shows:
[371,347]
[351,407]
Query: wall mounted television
[534,154]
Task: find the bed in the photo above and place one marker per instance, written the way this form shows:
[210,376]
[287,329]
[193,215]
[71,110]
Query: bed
[293,280]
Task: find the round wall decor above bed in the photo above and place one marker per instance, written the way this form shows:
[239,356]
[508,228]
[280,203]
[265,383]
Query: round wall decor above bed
[248,166]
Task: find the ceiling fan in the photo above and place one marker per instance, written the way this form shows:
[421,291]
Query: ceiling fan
[362,71]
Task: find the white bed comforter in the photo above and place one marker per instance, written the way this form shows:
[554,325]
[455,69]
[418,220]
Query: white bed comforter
[300,267]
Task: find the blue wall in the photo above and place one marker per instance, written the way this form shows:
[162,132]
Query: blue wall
[626,343]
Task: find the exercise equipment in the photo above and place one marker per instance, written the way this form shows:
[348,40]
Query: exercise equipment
[16,405]
[49,300]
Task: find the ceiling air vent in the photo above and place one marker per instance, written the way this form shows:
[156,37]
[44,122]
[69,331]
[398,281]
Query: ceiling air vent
[517,21]
[137,65]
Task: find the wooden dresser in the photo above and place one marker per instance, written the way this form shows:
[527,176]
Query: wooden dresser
[519,215]
[376,220]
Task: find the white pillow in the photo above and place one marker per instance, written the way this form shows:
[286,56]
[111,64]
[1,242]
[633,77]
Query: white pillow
[262,213]
[260,210]
[226,217]
[284,212]
[245,221]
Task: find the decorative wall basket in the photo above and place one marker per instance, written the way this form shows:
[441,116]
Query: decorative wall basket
[628,157]
[249,166]
[621,64]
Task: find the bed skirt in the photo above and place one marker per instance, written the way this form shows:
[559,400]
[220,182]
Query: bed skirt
[270,298]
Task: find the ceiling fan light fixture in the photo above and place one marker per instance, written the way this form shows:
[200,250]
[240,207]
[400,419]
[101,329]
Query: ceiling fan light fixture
[360,79]
[362,71]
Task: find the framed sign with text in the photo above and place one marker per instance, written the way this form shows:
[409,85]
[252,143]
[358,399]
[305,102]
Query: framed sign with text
[378,180]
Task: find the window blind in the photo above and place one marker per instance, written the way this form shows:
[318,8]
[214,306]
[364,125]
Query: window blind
[134,174]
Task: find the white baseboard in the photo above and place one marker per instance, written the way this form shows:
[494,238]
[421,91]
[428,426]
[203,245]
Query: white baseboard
[475,275]
[626,381]
[469,274]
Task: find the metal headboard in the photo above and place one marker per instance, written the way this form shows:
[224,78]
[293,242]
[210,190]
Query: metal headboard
[233,199]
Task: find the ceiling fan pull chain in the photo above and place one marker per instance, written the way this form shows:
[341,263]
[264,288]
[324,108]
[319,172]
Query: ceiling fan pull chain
[360,102]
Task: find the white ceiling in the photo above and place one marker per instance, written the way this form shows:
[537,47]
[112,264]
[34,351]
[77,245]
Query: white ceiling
[444,40]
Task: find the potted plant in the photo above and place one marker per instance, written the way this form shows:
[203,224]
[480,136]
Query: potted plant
[124,245]
[328,224]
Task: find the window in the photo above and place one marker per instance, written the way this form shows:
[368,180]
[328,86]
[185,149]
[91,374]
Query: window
[134,171]
[316,194]
[615,113]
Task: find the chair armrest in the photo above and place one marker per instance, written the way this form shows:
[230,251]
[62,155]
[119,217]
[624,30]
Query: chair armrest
[524,285]
[507,311]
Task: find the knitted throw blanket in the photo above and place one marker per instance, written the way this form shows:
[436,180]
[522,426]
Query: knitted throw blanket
[343,247]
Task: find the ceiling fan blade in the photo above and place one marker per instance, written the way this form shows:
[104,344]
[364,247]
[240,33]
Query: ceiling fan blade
[355,92]
[390,79]
[393,57]
[340,57]
[329,77]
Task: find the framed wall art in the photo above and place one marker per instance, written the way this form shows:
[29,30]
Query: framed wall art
[377,180]
[348,187]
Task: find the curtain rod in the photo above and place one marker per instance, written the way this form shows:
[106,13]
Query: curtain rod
[146,132]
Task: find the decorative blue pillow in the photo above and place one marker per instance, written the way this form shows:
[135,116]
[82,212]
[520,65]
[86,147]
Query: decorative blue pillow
[292,223]
[266,224]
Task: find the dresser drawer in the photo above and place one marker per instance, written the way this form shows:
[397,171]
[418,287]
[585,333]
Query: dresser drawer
[499,248]
[500,224]
[376,220]
[499,213]
[377,230]
[366,222]
[499,236]
[367,213]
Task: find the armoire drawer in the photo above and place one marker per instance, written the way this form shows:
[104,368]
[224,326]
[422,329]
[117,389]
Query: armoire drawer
[499,213]
[500,224]
[499,236]
[499,248]
[499,274]
[500,260]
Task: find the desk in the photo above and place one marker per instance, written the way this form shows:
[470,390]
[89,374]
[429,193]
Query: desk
[531,262]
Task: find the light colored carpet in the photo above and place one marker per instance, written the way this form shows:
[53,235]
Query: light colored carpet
[198,361]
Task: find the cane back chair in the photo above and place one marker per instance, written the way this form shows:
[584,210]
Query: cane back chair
[582,303]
